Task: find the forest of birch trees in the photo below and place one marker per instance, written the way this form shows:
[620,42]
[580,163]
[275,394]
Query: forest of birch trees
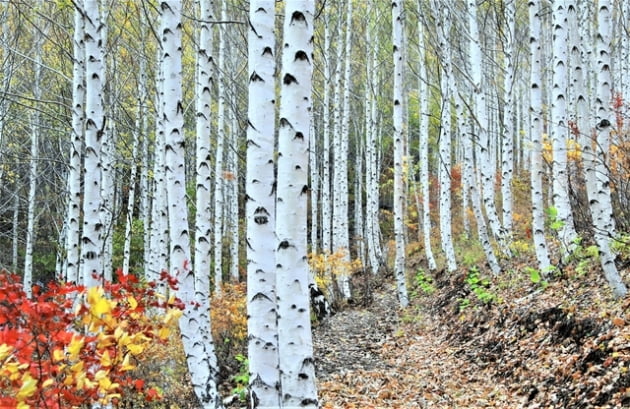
[229,141]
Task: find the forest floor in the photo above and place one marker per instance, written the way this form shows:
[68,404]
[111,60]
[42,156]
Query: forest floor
[478,343]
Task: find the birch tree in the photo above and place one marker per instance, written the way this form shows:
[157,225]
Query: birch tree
[559,128]
[341,235]
[264,378]
[480,113]
[507,161]
[601,206]
[198,346]
[73,214]
[535,134]
[33,172]
[92,233]
[444,160]
[297,371]
[371,176]
[219,184]
[326,179]
[399,148]
[423,143]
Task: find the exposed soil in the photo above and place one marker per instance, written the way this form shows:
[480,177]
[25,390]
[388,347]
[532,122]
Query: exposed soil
[564,346]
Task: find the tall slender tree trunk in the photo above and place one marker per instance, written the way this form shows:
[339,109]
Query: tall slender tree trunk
[108,149]
[138,134]
[536,131]
[233,187]
[297,370]
[33,174]
[423,146]
[325,184]
[73,216]
[507,161]
[399,146]
[92,234]
[197,344]
[264,379]
[486,161]
[559,129]
[444,159]
[342,242]
[219,185]
[601,205]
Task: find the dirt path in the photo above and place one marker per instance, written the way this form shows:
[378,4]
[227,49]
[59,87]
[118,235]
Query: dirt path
[368,358]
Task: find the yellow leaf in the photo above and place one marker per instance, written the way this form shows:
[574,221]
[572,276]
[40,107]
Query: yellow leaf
[164,333]
[106,360]
[74,348]
[99,305]
[132,302]
[58,355]
[47,382]
[29,385]
[126,366]
[135,349]
[5,351]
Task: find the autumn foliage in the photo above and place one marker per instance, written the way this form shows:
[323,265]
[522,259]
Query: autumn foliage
[69,345]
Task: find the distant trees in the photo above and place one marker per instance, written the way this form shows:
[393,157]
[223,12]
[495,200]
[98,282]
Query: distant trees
[448,106]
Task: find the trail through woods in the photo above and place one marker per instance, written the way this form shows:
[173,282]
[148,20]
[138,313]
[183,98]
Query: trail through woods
[368,358]
[564,346]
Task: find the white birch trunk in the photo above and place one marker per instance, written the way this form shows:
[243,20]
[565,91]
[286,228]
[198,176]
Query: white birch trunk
[559,129]
[371,146]
[108,151]
[475,200]
[325,184]
[219,185]
[203,190]
[73,216]
[535,134]
[232,186]
[444,159]
[341,164]
[297,369]
[146,202]
[375,164]
[313,159]
[33,170]
[486,161]
[133,174]
[424,115]
[601,206]
[15,242]
[507,158]
[264,378]
[399,146]
[359,224]
[159,231]
[92,240]
[197,344]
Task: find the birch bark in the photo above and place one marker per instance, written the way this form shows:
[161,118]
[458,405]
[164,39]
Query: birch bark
[536,131]
[559,133]
[297,370]
[92,235]
[399,147]
[424,115]
[444,160]
[601,206]
[73,234]
[260,209]
[198,345]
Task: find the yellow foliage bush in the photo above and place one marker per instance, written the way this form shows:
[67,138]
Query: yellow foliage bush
[229,313]
[328,267]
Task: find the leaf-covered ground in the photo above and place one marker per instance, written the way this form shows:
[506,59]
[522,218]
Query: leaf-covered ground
[566,345]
